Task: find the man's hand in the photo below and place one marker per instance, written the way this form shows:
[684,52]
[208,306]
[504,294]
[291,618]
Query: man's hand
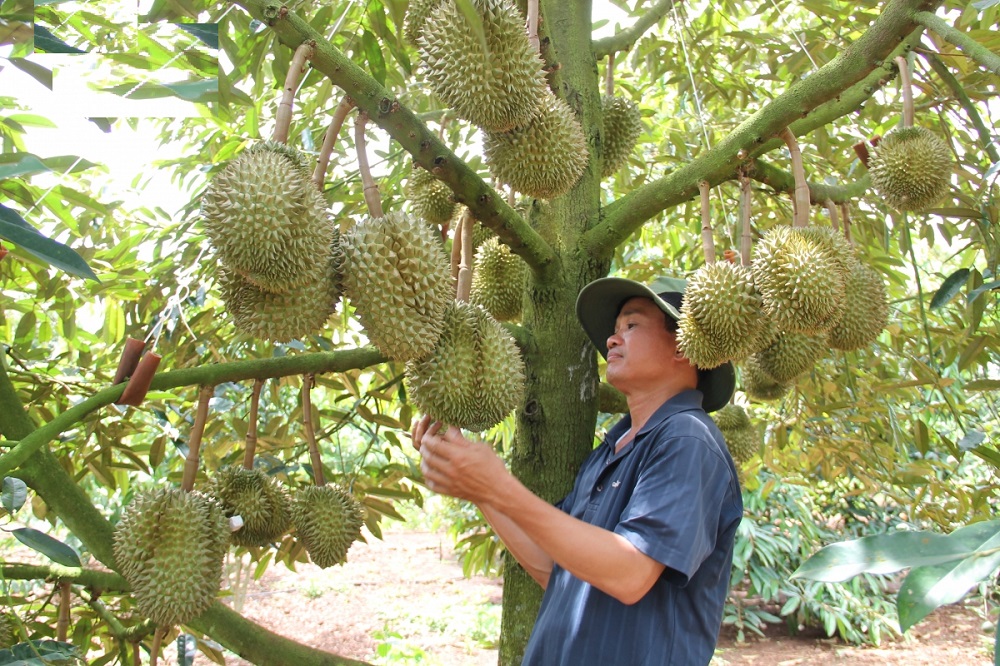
[453,465]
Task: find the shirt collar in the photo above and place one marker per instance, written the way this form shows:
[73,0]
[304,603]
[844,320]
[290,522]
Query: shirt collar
[682,402]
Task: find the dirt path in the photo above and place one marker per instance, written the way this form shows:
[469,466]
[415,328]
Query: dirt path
[404,600]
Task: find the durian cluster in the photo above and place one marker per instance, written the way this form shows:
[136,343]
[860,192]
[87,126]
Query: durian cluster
[742,439]
[911,168]
[279,253]
[532,139]
[805,292]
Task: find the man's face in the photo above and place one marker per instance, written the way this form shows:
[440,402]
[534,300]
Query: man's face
[641,349]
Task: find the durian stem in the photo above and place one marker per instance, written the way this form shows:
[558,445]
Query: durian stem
[464,288]
[194,442]
[330,140]
[511,197]
[800,201]
[456,244]
[906,87]
[707,242]
[533,25]
[317,462]
[845,212]
[746,239]
[62,626]
[609,75]
[154,650]
[831,209]
[283,118]
[372,198]
[251,439]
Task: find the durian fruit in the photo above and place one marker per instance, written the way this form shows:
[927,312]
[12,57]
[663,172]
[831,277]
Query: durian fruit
[267,221]
[911,168]
[327,521]
[742,438]
[8,631]
[287,316]
[295,157]
[499,278]
[758,384]
[416,18]
[169,546]
[696,346]
[497,91]
[543,158]
[399,280]
[866,312]
[791,355]
[800,281]
[475,375]
[622,126]
[834,243]
[722,299]
[481,234]
[430,197]
[257,498]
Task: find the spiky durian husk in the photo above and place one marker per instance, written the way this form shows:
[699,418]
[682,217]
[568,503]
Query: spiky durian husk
[696,346]
[282,317]
[416,19]
[723,300]
[743,443]
[169,546]
[399,280]
[327,521]
[758,384]
[622,126]
[267,221]
[430,197]
[497,95]
[295,157]
[911,168]
[545,157]
[731,417]
[475,375]
[8,631]
[791,355]
[481,234]
[801,283]
[257,498]
[498,280]
[867,310]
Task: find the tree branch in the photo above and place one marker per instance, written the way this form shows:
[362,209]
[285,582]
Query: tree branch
[339,361]
[621,41]
[14,421]
[985,137]
[610,400]
[413,135]
[782,181]
[105,581]
[972,48]
[856,64]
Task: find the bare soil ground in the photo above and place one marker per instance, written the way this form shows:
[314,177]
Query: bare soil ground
[404,600]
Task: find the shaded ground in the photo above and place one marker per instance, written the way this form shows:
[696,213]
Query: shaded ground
[404,600]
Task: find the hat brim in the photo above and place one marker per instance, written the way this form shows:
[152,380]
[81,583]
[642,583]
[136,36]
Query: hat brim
[597,308]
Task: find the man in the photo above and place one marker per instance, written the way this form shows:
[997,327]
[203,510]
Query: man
[635,561]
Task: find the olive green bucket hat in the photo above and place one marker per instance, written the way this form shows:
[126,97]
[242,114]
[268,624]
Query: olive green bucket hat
[598,305]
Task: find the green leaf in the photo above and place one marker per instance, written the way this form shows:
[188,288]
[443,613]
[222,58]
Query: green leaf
[31,120]
[928,587]
[14,494]
[17,231]
[949,288]
[40,653]
[373,54]
[203,91]
[14,165]
[206,32]
[41,74]
[982,385]
[48,546]
[46,42]
[879,554]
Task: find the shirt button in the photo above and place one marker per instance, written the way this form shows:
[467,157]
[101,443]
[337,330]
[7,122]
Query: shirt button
[600,488]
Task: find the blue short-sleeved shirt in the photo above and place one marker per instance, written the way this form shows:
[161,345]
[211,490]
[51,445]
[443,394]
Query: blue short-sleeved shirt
[673,493]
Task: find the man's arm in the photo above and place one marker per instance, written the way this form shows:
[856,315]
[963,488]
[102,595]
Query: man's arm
[535,561]
[455,466]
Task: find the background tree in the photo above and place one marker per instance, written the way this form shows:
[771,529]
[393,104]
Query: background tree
[716,82]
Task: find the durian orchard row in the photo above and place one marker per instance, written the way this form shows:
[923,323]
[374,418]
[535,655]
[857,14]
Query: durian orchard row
[283,266]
